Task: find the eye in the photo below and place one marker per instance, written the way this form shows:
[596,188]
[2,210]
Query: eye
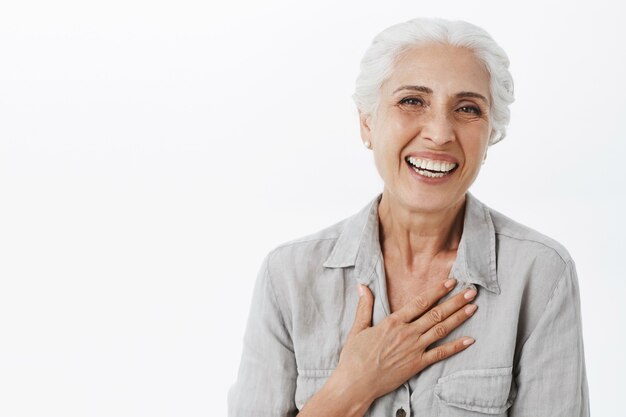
[412,101]
[470,109]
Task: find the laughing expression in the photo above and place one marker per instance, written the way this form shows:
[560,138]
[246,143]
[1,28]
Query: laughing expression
[430,131]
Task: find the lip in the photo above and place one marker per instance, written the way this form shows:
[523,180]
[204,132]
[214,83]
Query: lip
[435,156]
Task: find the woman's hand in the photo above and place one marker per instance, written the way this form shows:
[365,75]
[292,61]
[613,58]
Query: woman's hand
[377,359]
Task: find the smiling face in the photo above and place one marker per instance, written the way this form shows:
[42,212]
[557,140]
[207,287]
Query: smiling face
[431,128]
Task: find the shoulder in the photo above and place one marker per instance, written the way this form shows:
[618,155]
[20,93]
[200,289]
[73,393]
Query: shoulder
[294,262]
[533,267]
[314,244]
[535,262]
[335,245]
[532,242]
[295,269]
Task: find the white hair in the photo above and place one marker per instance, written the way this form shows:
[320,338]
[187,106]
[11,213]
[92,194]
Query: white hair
[388,46]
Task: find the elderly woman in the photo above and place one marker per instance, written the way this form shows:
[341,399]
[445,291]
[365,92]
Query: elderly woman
[460,311]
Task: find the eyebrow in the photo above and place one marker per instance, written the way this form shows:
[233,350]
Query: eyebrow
[427,90]
[414,88]
[473,95]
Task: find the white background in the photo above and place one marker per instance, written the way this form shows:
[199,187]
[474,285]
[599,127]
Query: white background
[152,152]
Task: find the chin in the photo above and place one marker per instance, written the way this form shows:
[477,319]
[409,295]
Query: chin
[433,201]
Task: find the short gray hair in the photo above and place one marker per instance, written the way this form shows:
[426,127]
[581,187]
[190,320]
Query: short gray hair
[387,46]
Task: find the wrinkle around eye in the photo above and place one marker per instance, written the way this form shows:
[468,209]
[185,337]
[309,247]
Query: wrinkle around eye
[471,109]
[473,112]
[413,106]
[414,102]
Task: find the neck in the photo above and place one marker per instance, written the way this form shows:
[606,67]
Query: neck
[410,235]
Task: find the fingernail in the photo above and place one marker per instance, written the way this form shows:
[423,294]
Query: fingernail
[468,341]
[449,283]
[361,290]
[470,309]
[470,294]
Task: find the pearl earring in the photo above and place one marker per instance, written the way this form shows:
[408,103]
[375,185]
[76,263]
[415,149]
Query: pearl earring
[368,144]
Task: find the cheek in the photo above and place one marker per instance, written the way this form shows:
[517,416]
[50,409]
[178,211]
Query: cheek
[389,139]
[382,160]
[406,125]
[396,126]
[474,142]
[386,159]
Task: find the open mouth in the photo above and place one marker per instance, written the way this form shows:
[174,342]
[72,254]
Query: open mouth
[431,168]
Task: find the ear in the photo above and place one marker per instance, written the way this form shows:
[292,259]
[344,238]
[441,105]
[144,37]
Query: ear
[364,124]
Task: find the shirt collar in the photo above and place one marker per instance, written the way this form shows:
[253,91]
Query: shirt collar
[358,246]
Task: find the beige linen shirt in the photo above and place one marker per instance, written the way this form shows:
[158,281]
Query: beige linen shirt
[527,361]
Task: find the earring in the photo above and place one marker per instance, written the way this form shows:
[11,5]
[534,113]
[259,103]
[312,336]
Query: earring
[368,144]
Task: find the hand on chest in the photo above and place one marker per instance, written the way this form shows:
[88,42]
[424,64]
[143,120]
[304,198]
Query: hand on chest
[404,284]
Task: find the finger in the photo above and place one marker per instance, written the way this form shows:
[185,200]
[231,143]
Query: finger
[446,350]
[422,302]
[442,311]
[441,330]
[363,317]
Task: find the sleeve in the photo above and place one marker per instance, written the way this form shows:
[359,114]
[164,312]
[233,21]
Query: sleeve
[550,376]
[266,380]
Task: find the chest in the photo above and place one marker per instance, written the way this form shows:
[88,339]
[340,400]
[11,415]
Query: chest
[484,372]
[403,285]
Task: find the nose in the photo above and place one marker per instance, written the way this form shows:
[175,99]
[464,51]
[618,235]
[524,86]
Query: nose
[438,128]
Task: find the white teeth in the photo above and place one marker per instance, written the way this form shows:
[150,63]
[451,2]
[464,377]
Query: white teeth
[430,174]
[443,166]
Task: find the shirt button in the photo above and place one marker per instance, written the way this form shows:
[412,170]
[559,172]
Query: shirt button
[400,412]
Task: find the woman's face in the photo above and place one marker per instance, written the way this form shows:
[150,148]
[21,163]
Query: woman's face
[430,132]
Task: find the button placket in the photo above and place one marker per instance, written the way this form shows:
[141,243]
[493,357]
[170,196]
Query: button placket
[403,407]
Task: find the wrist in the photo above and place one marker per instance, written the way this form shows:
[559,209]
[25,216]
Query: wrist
[353,397]
[337,398]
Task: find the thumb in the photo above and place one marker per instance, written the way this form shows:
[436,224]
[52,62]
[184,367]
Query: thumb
[363,317]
